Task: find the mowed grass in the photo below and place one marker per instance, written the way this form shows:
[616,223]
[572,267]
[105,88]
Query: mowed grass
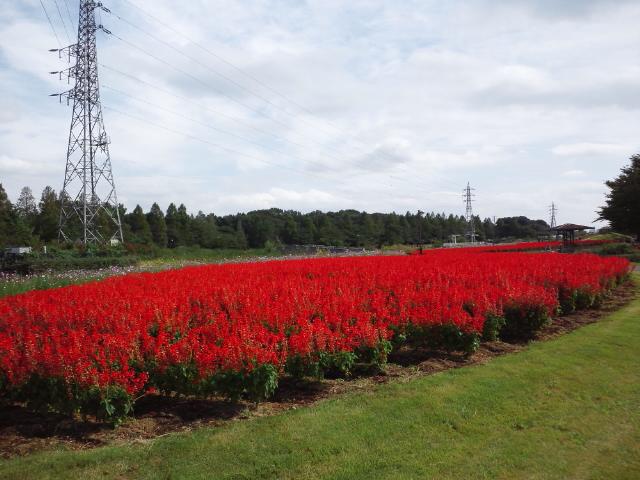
[17,285]
[566,408]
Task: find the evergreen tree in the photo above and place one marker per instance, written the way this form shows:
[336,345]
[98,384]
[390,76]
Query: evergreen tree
[157,225]
[205,231]
[290,231]
[489,229]
[241,237]
[327,233]
[7,220]
[49,216]
[139,226]
[26,207]
[392,230]
[173,226]
[127,234]
[622,208]
[184,226]
[306,231]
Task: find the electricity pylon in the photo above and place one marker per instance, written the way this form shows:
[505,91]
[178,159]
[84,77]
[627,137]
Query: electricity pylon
[552,211]
[88,201]
[468,199]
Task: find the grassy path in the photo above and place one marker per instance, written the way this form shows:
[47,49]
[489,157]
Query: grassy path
[566,408]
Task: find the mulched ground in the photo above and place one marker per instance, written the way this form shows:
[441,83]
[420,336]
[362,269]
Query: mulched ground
[23,432]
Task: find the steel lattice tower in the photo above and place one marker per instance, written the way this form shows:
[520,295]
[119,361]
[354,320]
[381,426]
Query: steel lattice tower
[88,202]
[468,199]
[552,211]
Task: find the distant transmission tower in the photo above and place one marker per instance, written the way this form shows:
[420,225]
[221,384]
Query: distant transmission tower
[468,199]
[552,211]
[89,205]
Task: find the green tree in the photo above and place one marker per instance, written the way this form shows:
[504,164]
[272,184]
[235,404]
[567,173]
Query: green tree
[622,209]
[205,231]
[14,230]
[127,234]
[489,228]
[47,220]
[327,232]
[139,226]
[157,225]
[173,226]
[290,231]
[7,221]
[392,229]
[520,227]
[241,237]
[306,231]
[26,207]
[185,232]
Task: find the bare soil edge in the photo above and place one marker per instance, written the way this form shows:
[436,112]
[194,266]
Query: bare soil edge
[23,432]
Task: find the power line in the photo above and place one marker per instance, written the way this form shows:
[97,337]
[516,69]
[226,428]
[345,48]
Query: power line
[64,25]
[232,150]
[240,70]
[227,62]
[71,22]
[180,70]
[240,137]
[208,125]
[237,152]
[203,65]
[199,80]
[51,24]
[193,77]
[207,142]
[187,99]
[197,61]
[204,83]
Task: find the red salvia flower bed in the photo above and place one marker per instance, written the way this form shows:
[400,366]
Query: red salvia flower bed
[234,329]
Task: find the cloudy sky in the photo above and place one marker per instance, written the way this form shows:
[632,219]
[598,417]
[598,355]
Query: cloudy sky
[376,105]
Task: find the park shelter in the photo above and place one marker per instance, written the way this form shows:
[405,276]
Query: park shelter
[568,232]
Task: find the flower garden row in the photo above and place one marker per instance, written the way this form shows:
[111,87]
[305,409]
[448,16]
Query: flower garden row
[530,246]
[235,329]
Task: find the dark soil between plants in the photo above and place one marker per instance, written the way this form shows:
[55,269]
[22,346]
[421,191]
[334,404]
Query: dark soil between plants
[23,432]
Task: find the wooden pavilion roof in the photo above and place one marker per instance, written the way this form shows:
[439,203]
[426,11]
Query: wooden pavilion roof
[567,227]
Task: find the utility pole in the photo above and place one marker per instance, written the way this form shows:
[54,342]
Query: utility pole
[468,199]
[88,201]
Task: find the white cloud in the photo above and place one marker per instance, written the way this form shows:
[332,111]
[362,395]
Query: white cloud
[403,103]
[310,199]
[13,165]
[573,173]
[587,148]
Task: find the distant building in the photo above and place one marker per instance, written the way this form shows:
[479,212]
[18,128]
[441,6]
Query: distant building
[17,250]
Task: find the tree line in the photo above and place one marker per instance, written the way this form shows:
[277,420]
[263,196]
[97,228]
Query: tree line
[28,222]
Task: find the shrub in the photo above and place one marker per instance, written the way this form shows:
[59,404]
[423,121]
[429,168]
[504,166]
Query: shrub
[523,321]
[615,249]
[447,337]
[492,326]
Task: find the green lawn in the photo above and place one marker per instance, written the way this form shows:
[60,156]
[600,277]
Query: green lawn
[567,408]
[17,285]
